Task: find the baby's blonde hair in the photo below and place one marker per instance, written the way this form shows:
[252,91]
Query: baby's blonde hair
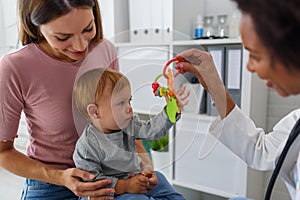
[90,86]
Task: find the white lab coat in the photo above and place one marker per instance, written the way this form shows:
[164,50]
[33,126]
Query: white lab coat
[258,149]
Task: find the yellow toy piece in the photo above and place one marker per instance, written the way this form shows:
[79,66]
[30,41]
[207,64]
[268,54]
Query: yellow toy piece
[163,91]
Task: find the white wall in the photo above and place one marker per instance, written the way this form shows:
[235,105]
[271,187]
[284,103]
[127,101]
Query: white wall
[9,42]
[106,8]
[219,7]
[2,36]
[8,26]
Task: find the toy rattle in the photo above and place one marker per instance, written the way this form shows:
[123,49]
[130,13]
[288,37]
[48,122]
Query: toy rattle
[168,91]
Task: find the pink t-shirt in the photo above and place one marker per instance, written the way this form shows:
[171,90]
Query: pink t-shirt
[42,87]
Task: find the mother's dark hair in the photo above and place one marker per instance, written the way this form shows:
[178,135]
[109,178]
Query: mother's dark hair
[277,24]
[35,13]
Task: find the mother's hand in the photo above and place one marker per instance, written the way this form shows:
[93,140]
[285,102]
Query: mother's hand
[73,177]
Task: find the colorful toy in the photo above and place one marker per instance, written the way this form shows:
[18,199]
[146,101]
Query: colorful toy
[168,91]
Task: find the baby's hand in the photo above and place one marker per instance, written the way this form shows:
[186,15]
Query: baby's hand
[182,96]
[137,184]
[152,179]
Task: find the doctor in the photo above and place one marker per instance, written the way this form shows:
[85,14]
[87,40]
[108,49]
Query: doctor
[270,31]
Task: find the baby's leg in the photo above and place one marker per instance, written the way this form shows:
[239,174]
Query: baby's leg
[132,197]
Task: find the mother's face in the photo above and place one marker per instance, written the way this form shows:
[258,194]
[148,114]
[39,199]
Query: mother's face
[69,36]
[267,68]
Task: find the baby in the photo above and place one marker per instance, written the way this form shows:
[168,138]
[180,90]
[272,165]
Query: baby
[106,147]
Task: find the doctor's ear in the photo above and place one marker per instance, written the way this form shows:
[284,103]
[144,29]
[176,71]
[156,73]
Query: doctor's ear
[92,111]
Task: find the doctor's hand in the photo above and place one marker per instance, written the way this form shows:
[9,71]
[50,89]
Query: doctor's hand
[73,177]
[201,64]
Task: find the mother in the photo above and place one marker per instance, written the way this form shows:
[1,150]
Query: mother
[59,38]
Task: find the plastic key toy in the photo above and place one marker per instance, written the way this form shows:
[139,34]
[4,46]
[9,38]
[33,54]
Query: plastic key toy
[168,91]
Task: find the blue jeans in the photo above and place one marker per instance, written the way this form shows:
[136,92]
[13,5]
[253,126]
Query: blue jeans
[162,191]
[37,190]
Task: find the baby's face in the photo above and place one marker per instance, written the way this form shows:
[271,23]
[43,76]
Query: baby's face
[116,110]
[121,107]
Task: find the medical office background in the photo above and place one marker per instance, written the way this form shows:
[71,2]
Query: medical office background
[145,39]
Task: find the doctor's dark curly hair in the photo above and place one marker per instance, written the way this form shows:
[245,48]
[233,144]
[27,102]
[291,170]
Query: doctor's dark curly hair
[277,24]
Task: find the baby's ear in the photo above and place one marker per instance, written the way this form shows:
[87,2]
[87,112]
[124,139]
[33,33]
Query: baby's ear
[92,111]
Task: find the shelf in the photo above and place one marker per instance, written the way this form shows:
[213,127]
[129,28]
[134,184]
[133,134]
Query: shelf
[129,44]
[184,43]
[207,42]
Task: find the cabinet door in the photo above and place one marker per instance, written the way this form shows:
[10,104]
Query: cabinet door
[142,65]
[204,163]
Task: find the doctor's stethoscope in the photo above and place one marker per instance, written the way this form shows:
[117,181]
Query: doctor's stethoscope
[293,135]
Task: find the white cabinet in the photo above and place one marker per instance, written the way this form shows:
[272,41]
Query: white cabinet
[176,16]
[203,163]
[199,161]
[141,64]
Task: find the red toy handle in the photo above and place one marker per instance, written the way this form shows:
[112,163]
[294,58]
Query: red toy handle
[177,60]
[161,91]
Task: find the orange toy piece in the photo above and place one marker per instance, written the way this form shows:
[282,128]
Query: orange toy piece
[171,83]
